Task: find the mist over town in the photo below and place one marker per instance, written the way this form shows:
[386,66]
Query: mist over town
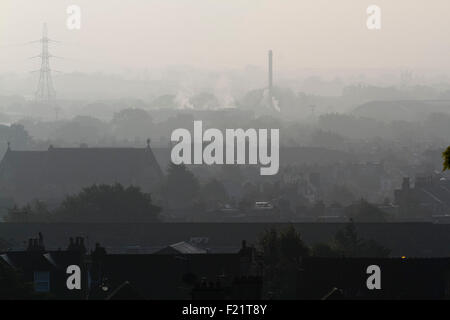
[116,122]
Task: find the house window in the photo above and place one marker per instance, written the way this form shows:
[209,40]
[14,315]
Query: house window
[41,281]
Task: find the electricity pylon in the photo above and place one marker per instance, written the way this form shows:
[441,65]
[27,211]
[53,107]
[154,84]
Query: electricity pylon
[45,91]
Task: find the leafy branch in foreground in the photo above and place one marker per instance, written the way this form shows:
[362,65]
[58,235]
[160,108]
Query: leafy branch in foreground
[446,157]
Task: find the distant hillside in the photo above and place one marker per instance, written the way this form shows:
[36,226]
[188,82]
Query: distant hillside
[409,110]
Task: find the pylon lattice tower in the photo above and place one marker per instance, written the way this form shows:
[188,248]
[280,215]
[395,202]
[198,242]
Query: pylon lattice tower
[45,91]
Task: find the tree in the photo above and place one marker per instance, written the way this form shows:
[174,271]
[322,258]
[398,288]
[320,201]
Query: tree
[213,192]
[182,186]
[348,243]
[292,247]
[269,245]
[346,240]
[282,252]
[132,124]
[35,211]
[326,139]
[363,211]
[322,249]
[106,203]
[284,245]
[16,135]
[81,129]
[446,157]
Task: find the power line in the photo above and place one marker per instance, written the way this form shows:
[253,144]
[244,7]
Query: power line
[45,91]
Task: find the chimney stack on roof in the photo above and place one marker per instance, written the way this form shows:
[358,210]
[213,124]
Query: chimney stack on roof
[36,244]
[78,245]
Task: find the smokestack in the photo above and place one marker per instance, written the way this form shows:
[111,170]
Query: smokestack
[270,72]
[269,96]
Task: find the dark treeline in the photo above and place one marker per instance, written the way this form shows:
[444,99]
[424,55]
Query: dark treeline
[284,249]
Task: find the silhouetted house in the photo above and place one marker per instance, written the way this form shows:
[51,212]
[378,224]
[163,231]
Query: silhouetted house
[346,278]
[52,174]
[220,276]
[47,270]
[179,276]
[241,288]
[209,291]
[182,248]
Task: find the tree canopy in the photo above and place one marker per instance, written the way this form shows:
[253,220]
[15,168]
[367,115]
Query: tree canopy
[347,243]
[363,211]
[214,192]
[182,186]
[282,252]
[446,157]
[109,203]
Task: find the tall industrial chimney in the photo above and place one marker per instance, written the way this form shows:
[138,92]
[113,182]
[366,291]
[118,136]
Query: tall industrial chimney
[270,71]
[270,93]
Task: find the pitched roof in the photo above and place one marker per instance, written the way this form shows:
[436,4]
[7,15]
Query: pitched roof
[26,175]
[182,248]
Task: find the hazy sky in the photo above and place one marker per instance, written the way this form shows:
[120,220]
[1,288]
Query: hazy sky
[118,35]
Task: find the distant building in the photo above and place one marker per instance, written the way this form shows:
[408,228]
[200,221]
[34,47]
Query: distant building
[137,276]
[182,248]
[233,276]
[428,198]
[401,278]
[46,271]
[50,175]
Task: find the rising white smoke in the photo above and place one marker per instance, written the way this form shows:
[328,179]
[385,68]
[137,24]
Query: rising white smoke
[182,101]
